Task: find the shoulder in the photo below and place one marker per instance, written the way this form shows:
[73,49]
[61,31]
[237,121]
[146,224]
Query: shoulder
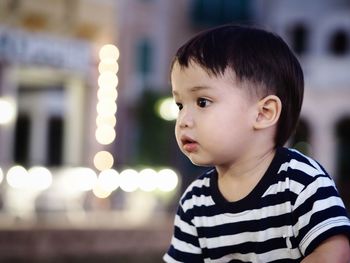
[299,167]
[318,210]
[199,191]
[295,160]
[295,173]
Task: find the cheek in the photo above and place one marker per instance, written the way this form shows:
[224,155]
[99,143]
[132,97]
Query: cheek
[177,136]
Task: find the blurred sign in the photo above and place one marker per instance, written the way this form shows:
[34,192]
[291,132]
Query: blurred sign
[40,49]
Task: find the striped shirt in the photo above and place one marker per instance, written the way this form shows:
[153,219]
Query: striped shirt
[293,208]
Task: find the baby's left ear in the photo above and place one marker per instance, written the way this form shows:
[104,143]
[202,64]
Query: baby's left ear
[269,111]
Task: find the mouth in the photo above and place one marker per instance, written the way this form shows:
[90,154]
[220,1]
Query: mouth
[185,140]
[188,144]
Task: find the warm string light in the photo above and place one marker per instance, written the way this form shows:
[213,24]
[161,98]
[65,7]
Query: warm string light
[129,180]
[36,178]
[75,180]
[106,106]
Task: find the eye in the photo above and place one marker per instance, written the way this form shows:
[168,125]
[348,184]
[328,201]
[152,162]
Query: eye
[202,102]
[179,105]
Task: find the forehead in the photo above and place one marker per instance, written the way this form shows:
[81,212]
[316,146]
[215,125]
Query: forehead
[195,78]
[196,75]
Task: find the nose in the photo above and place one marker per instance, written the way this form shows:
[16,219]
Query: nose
[185,119]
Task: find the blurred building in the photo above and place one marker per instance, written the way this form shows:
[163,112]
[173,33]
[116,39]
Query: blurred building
[57,169]
[150,33]
[49,59]
[317,31]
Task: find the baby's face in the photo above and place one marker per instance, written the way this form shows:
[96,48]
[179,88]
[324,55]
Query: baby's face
[215,122]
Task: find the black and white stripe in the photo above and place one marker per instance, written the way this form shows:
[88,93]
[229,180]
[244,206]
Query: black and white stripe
[291,211]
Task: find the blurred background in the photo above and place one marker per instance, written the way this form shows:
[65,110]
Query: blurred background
[89,167]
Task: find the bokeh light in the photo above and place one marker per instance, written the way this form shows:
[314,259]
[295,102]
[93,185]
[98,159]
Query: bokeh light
[109,51]
[148,180]
[167,180]
[17,177]
[109,180]
[80,179]
[105,134]
[1,175]
[109,120]
[107,95]
[167,109]
[108,65]
[103,160]
[8,110]
[129,180]
[110,93]
[107,80]
[40,178]
[106,107]
[99,192]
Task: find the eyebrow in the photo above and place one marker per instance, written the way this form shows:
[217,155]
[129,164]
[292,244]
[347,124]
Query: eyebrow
[194,89]
[197,88]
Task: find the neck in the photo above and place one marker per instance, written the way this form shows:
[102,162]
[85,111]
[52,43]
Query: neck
[248,166]
[239,179]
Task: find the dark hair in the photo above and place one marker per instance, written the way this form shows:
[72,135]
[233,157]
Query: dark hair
[257,56]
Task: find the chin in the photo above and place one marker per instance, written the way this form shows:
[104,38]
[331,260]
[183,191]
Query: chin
[201,163]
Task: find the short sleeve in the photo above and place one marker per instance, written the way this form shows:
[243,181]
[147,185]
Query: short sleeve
[184,244]
[319,214]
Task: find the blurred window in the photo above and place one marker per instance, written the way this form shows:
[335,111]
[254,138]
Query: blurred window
[55,141]
[144,55]
[299,38]
[210,13]
[339,43]
[22,139]
[39,132]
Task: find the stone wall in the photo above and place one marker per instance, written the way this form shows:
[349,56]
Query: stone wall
[77,245]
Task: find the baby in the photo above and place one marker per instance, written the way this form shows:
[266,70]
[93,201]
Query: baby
[240,91]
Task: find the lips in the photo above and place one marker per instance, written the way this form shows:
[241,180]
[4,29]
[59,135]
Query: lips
[188,144]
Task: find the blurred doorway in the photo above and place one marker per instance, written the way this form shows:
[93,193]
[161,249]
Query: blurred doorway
[39,127]
[343,157]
